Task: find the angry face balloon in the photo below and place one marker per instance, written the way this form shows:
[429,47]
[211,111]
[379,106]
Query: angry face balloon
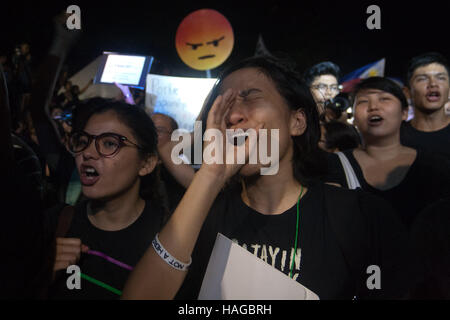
[204,39]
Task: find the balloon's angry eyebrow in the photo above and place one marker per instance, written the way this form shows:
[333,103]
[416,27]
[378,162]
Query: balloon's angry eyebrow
[194,45]
[215,42]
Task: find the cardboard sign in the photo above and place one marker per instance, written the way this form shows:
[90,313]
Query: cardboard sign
[204,39]
[179,97]
[233,273]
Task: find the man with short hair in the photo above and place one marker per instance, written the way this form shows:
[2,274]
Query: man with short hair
[427,85]
[323,81]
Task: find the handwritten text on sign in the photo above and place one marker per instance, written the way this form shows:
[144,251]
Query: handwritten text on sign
[179,97]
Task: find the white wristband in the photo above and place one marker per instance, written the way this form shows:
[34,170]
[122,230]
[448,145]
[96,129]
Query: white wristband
[167,257]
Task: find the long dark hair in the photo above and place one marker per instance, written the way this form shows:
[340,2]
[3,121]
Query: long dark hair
[143,130]
[308,161]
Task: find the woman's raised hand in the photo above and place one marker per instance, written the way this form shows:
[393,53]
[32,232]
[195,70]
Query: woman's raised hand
[219,159]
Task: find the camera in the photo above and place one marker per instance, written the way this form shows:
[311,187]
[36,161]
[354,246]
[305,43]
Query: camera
[338,104]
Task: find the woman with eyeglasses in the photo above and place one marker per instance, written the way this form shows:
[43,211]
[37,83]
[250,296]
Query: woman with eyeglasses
[115,150]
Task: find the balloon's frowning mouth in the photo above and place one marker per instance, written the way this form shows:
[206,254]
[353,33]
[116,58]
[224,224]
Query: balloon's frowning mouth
[207,56]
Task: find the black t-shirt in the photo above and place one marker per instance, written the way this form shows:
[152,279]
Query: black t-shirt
[435,141]
[427,180]
[341,233]
[126,245]
[430,236]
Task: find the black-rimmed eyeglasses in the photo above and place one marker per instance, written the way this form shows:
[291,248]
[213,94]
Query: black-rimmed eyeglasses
[107,144]
[323,88]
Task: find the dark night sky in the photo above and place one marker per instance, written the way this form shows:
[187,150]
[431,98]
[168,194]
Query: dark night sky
[309,32]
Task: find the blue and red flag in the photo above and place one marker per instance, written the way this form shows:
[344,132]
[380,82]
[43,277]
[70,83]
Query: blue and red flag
[371,70]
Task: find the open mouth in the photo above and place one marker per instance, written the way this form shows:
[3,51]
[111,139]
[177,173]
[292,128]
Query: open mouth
[238,138]
[433,96]
[375,120]
[88,175]
[207,56]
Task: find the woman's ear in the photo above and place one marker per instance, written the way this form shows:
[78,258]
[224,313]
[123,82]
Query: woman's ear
[407,93]
[148,165]
[297,122]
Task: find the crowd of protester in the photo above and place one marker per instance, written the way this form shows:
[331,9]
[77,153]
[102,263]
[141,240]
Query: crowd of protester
[93,180]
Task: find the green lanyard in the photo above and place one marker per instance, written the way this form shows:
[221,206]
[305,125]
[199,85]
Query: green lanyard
[296,230]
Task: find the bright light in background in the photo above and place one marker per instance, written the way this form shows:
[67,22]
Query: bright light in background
[350,115]
[181,98]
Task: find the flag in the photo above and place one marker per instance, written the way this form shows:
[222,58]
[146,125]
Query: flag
[370,70]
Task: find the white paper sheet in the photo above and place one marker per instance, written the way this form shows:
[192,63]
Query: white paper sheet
[233,273]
